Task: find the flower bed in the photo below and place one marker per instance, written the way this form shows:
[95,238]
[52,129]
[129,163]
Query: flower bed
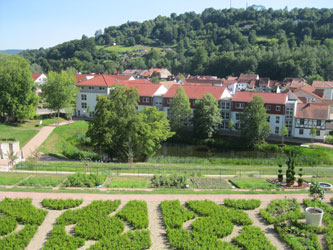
[282,210]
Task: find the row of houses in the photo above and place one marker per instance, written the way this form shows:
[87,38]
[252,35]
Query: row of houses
[299,107]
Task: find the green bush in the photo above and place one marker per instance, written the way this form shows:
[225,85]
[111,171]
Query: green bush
[174,214]
[74,153]
[59,204]
[84,180]
[20,239]
[281,210]
[23,211]
[329,139]
[242,204]
[178,181]
[136,213]
[252,238]
[60,240]
[7,224]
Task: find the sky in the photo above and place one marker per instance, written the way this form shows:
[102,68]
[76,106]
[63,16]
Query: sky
[32,24]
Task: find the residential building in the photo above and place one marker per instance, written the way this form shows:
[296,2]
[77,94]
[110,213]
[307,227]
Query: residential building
[207,82]
[324,89]
[155,72]
[39,78]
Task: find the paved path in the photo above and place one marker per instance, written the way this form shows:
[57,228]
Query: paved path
[39,138]
[322,144]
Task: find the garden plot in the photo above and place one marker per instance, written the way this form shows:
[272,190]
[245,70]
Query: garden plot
[11,178]
[42,180]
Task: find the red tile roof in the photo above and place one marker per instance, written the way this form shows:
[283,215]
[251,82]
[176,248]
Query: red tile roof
[316,111]
[323,84]
[143,89]
[202,81]
[121,77]
[196,91]
[99,81]
[35,75]
[243,96]
[82,77]
[247,77]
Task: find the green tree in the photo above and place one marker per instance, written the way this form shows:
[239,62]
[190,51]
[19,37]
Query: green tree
[283,133]
[180,112]
[18,100]
[155,79]
[313,133]
[312,78]
[59,90]
[120,131]
[231,124]
[254,125]
[207,117]
[154,128]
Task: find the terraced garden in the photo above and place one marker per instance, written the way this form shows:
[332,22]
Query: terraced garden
[154,223]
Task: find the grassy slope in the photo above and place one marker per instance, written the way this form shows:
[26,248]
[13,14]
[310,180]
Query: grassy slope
[25,131]
[54,144]
[125,49]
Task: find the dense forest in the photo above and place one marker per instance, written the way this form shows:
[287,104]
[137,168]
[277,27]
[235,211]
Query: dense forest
[272,43]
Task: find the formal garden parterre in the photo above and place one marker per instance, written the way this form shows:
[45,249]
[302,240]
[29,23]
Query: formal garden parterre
[193,224]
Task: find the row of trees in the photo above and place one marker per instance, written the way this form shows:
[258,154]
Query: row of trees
[273,43]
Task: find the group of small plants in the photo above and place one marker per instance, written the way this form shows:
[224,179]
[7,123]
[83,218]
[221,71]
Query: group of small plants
[94,222]
[176,181]
[60,204]
[210,183]
[285,214]
[84,180]
[213,223]
[14,212]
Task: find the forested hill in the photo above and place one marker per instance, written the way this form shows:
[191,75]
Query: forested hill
[272,43]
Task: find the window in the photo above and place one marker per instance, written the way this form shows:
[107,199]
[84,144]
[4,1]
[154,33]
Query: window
[225,105]
[84,105]
[302,121]
[83,97]
[239,105]
[91,87]
[289,124]
[277,119]
[238,115]
[318,132]
[301,131]
[313,99]
[169,101]
[78,113]
[268,107]
[101,88]
[277,130]
[319,123]
[146,100]
[268,118]
[82,87]
[278,108]
[289,112]
[227,115]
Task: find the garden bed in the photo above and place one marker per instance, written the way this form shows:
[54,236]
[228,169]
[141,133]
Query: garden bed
[284,185]
[210,183]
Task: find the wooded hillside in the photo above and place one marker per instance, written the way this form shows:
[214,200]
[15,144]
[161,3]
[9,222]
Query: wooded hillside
[272,43]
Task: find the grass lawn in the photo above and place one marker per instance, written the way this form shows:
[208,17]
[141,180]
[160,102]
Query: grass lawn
[25,131]
[129,182]
[54,144]
[125,49]
[11,178]
[44,180]
[253,183]
[210,183]
[330,181]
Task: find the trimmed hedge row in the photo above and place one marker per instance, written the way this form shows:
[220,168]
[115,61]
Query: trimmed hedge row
[252,238]
[60,204]
[281,210]
[23,211]
[242,204]
[136,213]
[15,211]
[216,223]
[85,180]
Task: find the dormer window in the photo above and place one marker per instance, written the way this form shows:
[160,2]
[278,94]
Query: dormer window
[278,108]
[239,105]
[146,100]
[268,107]
[169,101]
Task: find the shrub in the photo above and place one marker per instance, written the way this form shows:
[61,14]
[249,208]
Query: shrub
[19,240]
[242,204]
[174,215]
[7,224]
[23,211]
[252,238]
[59,204]
[136,213]
[84,180]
